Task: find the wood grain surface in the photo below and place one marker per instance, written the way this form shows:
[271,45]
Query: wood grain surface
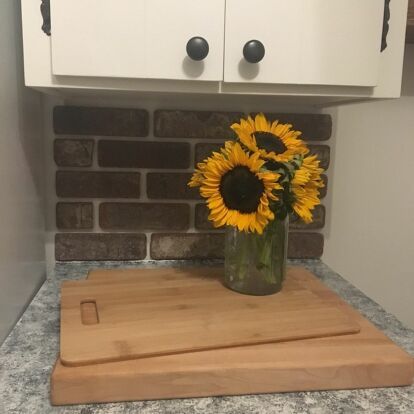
[151,312]
[363,360]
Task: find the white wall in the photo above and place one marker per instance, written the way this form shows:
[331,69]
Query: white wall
[370,228]
[21,177]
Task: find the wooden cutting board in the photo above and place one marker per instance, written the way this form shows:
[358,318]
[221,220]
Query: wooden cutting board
[363,360]
[171,311]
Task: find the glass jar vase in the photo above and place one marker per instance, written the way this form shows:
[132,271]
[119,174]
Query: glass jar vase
[256,264]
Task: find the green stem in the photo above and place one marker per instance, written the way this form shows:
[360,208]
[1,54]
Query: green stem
[242,255]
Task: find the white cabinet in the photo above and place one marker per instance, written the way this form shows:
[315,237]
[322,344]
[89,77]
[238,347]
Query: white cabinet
[136,38]
[317,42]
[314,49]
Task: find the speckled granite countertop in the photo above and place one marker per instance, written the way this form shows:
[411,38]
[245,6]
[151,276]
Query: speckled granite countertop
[28,354]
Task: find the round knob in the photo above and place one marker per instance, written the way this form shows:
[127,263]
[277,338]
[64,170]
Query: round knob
[197,48]
[253,51]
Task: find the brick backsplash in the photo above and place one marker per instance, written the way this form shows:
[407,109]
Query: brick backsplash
[100,246]
[144,216]
[74,216]
[138,154]
[85,120]
[215,125]
[98,184]
[170,186]
[73,152]
[136,183]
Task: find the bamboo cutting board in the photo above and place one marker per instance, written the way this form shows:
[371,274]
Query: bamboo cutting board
[363,360]
[183,310]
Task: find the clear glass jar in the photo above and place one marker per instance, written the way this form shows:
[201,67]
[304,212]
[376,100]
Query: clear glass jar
[256,264]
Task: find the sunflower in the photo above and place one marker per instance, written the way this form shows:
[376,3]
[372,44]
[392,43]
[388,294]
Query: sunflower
[237,190]
[274,141]
[198,177]
[305,187]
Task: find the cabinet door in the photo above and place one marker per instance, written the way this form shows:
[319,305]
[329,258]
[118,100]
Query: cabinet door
[170,24]
[318,42]
[136,38]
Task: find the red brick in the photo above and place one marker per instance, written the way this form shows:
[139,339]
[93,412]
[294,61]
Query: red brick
[144,216]
[215,124]
[74,216]
[314,127]
[171,186]
[92,184]
[100,246]
[73,152]
[86,120]
[133,154]
[305,245]
[194,124]
[204,150]
[169,246]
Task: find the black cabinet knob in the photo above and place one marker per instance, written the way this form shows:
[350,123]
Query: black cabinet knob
[197,48]
[253,51]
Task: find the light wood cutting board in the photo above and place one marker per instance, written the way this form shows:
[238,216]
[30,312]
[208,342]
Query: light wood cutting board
[173,311]
[363,360]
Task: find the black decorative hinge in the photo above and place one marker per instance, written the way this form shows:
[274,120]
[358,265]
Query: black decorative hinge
[385,25]
[45,10]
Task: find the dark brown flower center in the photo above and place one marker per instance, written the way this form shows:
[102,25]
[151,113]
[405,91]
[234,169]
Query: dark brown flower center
[270,142]
[241,190]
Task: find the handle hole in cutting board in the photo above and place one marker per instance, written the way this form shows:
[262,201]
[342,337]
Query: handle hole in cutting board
[89,312]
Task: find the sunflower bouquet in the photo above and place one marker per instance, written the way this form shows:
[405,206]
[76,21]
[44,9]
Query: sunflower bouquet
[251,186]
